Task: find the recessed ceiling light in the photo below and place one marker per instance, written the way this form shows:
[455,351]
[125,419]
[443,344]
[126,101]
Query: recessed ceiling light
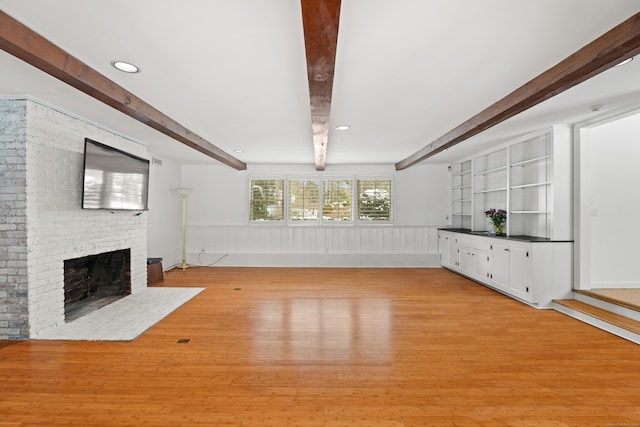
[343,127]
[125,67]
[238,151]
[626,61]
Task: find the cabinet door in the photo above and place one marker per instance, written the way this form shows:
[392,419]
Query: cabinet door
[482,261]
[454,252]
[519,276]
[443,249]
[500,265]
[466,260]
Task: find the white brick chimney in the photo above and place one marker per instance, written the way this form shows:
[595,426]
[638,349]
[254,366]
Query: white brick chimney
[41,222]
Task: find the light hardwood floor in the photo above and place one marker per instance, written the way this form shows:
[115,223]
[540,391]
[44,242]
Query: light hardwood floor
[331,347]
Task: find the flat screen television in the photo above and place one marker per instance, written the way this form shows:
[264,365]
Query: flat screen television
[113,179]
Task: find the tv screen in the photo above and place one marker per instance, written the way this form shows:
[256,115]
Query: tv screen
[113,179]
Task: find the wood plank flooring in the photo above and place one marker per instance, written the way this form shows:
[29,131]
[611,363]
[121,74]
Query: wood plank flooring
[331,347]
[626,297]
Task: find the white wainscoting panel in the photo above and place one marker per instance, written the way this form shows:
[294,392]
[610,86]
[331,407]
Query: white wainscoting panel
[340,246]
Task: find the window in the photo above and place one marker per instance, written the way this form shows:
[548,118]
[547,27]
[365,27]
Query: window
[315,200]
[374,199]
[337,200]
[304,199]
[267,200]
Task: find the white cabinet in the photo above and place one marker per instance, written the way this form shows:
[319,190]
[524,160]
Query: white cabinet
[520,272]
[443,248]
[483,265]
[449,249]
[467,263]
[534,271]
[500,272]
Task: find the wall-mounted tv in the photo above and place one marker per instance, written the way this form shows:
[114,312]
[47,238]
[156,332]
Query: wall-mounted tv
[113,179]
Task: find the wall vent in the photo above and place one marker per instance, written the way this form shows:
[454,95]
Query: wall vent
[156,161]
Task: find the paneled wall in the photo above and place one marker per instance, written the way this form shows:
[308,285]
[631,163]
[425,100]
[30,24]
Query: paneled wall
[365,246]
[217,220]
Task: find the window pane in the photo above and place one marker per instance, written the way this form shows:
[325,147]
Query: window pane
[374,199]
[267,200]
[304,200]
[337,201]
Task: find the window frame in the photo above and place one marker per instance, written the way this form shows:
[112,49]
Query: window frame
[364,222]
[250,199]
[298,222]
[320,222]
[353,206]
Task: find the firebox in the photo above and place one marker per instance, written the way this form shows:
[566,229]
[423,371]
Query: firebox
[94,281]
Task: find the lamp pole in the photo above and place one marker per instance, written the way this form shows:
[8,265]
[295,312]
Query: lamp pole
[184,192]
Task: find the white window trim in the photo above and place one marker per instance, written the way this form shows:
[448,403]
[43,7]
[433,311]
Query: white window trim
[271,223]
[299,223]
[368,223]
[321,177]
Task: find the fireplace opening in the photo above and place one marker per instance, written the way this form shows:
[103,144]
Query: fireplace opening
[93,281]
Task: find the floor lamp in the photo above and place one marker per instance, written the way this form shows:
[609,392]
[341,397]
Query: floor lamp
[184,192]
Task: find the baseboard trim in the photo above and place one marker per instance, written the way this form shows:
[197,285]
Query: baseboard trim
[315,260]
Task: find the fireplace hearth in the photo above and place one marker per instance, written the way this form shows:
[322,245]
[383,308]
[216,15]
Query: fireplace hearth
[94,281]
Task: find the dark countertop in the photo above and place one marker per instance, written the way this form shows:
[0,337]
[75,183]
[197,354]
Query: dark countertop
[521,238]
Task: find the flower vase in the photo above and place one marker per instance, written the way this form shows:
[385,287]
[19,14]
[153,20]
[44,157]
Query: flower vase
[498,229]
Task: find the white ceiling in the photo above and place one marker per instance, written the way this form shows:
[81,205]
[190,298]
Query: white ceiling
[407,71]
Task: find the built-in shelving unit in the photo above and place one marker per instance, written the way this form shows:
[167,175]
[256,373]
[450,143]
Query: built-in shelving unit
[461,198]
[529,177]
[489,185]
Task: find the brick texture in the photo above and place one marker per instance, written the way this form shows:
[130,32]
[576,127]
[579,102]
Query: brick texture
[41,222]
[14,322]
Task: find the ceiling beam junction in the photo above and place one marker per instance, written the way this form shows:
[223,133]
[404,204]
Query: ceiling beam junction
[616,45]
[23,43]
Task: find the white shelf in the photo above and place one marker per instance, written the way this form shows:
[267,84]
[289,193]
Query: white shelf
[529,177]
[535,184]
[530,212]
[529,161]
[492,190]
[494,170]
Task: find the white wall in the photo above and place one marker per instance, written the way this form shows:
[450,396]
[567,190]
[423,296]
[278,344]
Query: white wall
[165,214]
[614,202]
[217,218]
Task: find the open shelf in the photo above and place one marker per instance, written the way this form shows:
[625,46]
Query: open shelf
[535,184]
[529,177]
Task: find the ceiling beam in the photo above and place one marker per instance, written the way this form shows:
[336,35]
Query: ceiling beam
[320,20]
[23,43]
[620,43]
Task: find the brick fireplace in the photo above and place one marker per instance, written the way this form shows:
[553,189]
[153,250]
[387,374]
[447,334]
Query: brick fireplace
[41,186]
